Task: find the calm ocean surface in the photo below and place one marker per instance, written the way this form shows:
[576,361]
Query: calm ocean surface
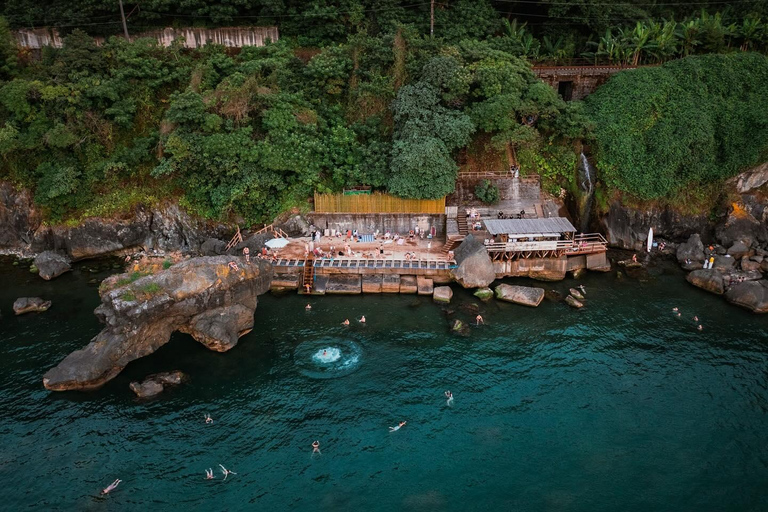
[618,407]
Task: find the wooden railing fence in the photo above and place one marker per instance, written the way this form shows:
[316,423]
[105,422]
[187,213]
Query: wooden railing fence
[376,203]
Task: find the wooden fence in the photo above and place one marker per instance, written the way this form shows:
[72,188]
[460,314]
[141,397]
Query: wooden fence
[376,203]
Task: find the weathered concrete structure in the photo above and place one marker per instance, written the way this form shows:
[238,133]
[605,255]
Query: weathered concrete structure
[233,37]
[370,222]
[576,82]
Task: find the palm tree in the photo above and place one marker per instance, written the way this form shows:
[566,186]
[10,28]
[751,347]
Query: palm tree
[641,41]
[751,32]
[665,41]
[688,33]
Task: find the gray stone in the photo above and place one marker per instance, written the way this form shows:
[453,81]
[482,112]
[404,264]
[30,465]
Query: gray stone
[213,247]
[51,264]
[408,284]
[474,267]
[738,250]
[748,265]
[155,384]
[709,280]
[576,294]
[30,305]
[343,284]
[442,294]
[752,295]
[692,250]
[724,264]
[524,295]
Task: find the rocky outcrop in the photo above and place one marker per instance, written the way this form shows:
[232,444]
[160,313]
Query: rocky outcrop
[524,295]
[155,384]
[627,228]
[19,219]
[709,280]
[752,179]
[573,302]
[442,294]
[484,294]
[752,295]
[474,267]
[204,297]
[51,264]
[738,250]
[30,305]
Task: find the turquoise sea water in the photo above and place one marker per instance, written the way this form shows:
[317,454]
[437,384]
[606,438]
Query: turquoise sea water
[619,406]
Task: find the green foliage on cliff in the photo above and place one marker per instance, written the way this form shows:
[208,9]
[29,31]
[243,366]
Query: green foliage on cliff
[690,122]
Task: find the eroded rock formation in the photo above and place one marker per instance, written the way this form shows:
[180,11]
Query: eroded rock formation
[475,269]
[204,297]
[51,264]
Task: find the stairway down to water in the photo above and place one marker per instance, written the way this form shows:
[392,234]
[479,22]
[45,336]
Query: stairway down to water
[308,277]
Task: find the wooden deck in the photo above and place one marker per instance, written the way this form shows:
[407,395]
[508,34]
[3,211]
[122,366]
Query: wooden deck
[367,266]
[581,244]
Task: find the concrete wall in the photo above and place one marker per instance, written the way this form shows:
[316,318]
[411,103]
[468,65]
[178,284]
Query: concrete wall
[585,78]
[367,223]
[514,193]
[233,37]
[543,269]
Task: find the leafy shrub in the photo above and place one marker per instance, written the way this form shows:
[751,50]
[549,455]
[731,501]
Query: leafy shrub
[487,192]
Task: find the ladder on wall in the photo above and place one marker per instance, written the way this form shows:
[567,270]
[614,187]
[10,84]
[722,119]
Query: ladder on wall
[308,278]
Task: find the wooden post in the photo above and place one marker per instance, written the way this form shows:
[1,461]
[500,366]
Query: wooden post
[125,26]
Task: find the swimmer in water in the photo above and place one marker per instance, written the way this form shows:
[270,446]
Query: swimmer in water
[700,327]
[111,487]
[345,322]
[449,396]
[674,309]
[208,418]
[308,307]
[678,313]
[325,352]
[362,319]
[695,319]
[479,320]
[209,474]
[395,429]
[226,472]
[316,447]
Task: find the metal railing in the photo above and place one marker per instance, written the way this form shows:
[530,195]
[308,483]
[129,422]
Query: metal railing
[581,244]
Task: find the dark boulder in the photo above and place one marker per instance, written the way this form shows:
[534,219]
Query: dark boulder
[30,305]
[692,250]
[748,265]
[51,264]
[738,250]
[155,384]
[213,247]
[752,295]
[709,280]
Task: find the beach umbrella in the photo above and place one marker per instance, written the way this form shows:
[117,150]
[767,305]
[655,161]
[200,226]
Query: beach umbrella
[277,243]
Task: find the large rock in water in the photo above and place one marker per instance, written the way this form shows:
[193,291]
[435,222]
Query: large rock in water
[51,264]
[752,295]
[520,294]
[204,297]
[155,384]
[30,305]
[475,269]
[710,280]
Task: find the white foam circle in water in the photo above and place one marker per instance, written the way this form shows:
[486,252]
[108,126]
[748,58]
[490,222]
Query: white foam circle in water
[328,358]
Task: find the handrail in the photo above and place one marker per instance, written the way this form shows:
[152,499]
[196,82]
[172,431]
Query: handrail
[592,242]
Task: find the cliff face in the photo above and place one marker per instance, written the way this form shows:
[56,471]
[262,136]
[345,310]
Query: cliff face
[204,297]
[168,228]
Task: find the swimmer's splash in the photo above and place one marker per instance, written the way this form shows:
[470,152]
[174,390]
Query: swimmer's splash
[328,358]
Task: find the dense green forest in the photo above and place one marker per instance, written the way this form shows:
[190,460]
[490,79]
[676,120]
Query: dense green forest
[358,93]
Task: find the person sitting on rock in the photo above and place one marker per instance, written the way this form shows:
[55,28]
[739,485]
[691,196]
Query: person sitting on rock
[247,254]
[233,266]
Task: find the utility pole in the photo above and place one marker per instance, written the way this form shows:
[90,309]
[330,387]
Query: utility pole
[125,27]
[432,19]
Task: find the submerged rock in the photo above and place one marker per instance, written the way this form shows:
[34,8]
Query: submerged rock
[474,267]
[155,384]
[30,305]
[573,302]
[442,294]
[460,328]
[752,295]
[709,280]
[553,295]
[524,295]
[484,294]
[52,264]
[204,297]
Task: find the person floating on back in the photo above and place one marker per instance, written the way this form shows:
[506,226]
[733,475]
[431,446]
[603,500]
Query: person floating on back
[111,487]
[449,396]
[394,429]
[209,474]
[226,472]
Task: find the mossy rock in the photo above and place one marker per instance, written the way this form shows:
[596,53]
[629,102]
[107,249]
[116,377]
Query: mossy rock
[484,294]
[33,269]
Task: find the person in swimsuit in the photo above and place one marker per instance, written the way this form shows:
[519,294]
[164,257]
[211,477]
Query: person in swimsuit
[308,307]
[362,319]
[316,447]
[479,320]
[208,418]
[449,396]
[400,425]
[345,322]
[226,472]
[111,487]
[209,474]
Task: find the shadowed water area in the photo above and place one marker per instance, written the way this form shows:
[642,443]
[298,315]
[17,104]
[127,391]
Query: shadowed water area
[618,406]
